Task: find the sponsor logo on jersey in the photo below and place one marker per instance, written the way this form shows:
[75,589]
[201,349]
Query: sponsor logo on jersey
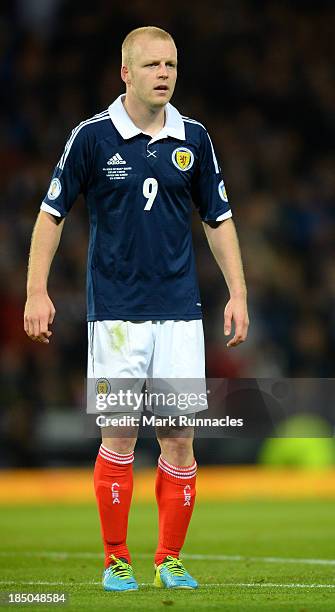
[103,386]
[183,158]
[222,192]
[54,189]
[116,160]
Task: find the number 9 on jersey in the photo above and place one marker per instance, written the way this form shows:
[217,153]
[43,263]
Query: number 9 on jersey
[150,188]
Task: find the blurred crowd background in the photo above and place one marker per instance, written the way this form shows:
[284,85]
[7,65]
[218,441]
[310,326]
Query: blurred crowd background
[260,76]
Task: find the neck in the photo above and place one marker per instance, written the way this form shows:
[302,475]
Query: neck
[149,120]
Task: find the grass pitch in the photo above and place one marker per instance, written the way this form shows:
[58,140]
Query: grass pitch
[250,555]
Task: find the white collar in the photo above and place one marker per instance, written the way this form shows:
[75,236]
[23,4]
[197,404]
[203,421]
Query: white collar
[174,125]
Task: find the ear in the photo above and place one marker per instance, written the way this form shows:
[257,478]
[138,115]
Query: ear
[125,75]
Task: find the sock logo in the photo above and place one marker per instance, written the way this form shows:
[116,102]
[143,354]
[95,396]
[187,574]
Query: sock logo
[187,495]
[115,493]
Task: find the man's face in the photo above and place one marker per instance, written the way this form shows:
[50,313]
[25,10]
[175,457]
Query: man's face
[152,74]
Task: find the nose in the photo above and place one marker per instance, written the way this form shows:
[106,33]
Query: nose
[162,71]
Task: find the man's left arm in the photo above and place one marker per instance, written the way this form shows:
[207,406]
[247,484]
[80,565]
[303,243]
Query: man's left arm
[223,242]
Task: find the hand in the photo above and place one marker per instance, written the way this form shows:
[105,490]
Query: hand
[237,311]
[39,313]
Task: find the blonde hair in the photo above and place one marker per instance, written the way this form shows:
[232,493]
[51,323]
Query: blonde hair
[128,43]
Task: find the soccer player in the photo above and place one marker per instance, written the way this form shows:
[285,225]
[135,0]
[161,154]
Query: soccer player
[140,164]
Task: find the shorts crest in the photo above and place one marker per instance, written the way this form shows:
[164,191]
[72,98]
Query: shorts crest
[103,386]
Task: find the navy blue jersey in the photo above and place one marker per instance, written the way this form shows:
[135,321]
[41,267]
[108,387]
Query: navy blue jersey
[139,192]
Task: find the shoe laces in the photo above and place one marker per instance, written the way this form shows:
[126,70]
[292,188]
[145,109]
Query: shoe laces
[120,569]
[174,566]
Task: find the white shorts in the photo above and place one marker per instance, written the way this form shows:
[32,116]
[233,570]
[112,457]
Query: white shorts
[168,355]
[146,349]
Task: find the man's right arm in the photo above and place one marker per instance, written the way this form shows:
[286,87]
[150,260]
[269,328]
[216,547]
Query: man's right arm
[39,310]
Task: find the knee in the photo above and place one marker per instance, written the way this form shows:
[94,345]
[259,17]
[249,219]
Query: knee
[177,451]
[123,446]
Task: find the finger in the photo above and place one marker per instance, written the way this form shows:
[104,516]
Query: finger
[43,325]
[44,330]
[30,329]
[36,328]
[238,336]
[52,316]
[227,323]
[44,337]
[43,340]
[40,335]
[234,341]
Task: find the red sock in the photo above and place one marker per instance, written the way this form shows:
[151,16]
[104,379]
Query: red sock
[175,494]
[113,483]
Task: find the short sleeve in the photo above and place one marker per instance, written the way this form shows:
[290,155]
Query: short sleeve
[71,174]
[208,189]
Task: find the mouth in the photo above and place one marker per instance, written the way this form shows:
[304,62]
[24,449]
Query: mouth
[161,88]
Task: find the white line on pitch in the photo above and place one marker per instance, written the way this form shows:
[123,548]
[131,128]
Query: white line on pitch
[209,584]
[260,559]
[196,557]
